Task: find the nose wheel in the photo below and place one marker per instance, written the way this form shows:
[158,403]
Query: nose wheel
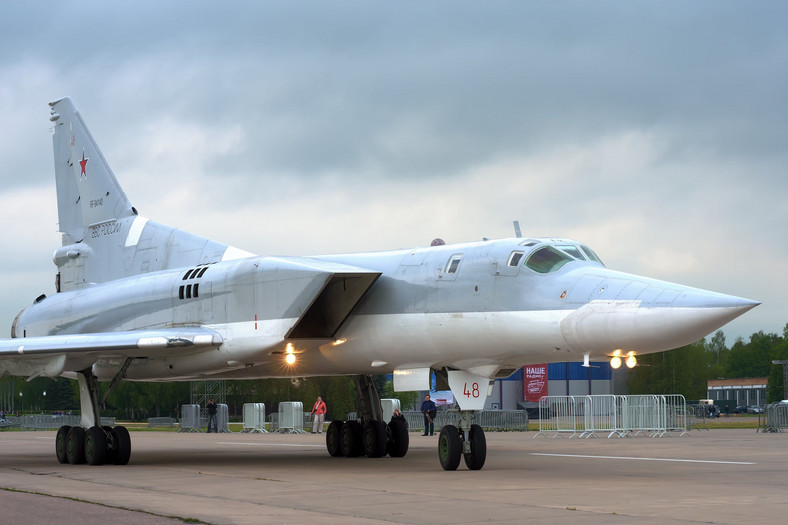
[477,453]
[449,447]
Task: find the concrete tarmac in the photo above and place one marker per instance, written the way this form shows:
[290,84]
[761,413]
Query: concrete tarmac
[716,476]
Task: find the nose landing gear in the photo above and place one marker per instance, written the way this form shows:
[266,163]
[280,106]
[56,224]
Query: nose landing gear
[470,444]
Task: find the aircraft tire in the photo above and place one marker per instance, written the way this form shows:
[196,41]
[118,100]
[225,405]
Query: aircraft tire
[61,441]
[122,452]
[398,439]
[75,445]
[111,447]
[351,443]
[374,439]
[449,447]
[475,460]
[334,438]
[95,446]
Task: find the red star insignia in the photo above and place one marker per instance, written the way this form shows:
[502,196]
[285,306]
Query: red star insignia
[83,163]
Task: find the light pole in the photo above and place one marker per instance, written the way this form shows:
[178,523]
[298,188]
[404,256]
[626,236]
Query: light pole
[22,403]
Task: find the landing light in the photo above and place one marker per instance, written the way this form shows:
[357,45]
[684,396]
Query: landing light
[615,363]
[290,357]
[631,360]
[339,342]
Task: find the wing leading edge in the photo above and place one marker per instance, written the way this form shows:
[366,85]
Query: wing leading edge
[47,355]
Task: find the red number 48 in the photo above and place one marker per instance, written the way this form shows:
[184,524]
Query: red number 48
[474,391]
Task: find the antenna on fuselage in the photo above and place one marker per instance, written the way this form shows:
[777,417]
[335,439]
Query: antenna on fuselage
[517,232]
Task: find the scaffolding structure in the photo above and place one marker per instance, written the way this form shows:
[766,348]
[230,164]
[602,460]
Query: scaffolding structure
[202,391]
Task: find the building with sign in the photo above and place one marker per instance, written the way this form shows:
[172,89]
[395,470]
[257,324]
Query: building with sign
[523,389]
[745,391]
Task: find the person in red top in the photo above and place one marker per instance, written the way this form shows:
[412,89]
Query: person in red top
[318,416]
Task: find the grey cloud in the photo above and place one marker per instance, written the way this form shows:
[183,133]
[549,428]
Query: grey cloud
[355,94]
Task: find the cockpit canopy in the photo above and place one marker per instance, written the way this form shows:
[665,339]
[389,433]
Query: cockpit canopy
[552,257]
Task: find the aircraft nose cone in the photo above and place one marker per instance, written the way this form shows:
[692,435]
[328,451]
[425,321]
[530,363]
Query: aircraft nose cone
[660,316]
[696,298]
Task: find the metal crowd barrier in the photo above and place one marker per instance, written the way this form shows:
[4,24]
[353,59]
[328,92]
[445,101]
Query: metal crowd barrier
[676,414]
[50,422]
[166,422]
[776,417]
[490,420]
[561,415]
[620,416]
[603,414]
[254,418]
[222,418]
[190,418]
[291,418]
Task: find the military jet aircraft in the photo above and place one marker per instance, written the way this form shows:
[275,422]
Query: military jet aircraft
[136,300]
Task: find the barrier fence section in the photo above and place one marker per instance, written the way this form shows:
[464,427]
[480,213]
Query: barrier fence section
[50,422]
[254,418]
[562,415]
[676,414]
[291,418]
[491,420]
[161,422]
[697,415]
[190,418]
[601,414]
[620,416]
[776,417]
[501,420]
[222,418]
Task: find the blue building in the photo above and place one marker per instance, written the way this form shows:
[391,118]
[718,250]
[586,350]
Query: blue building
[523,389]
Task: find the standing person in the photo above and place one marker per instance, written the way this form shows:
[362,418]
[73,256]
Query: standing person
[210,409]
[429,410]
[318,416]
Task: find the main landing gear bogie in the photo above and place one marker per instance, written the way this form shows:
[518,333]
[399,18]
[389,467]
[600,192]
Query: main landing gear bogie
[368,435]
[373,439]
[94,446]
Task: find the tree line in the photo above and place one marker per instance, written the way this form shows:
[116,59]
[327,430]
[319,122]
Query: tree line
[687,370]
[137,401]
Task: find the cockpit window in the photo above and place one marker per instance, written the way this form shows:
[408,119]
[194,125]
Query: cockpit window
[572,250]
[454,263]
[515,258]
[547,259]
[591,254]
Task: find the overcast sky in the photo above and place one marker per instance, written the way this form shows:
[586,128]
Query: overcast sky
[655,132]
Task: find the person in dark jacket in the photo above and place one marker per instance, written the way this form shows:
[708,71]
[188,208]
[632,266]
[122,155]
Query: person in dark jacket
[210,409]
[429,410]
[398,415]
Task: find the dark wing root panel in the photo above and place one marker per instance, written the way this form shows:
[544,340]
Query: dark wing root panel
[332,306]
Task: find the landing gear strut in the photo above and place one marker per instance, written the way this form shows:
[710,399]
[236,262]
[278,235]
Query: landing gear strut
[371,435]
[97,445]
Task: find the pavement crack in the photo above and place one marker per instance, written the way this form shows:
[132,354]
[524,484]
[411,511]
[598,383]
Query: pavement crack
[98,503]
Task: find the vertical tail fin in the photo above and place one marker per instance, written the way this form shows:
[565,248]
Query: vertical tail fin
[88,195]
[103,237]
